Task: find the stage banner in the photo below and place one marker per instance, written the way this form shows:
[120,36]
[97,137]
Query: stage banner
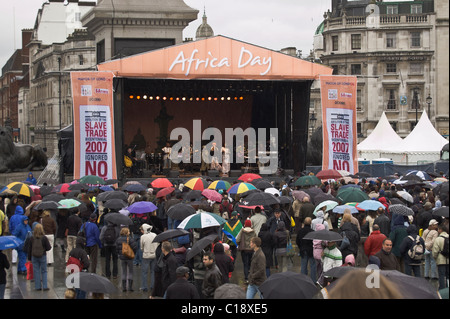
[93,124]
[338,94]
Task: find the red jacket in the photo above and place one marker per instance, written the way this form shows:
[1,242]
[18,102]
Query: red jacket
[373,243]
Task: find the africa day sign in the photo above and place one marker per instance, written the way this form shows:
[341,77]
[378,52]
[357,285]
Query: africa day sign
[338,95]
[93,124]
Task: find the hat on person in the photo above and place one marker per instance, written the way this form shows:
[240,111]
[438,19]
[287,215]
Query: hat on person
[248,223]
[93,216]
[182,270]
[433,222]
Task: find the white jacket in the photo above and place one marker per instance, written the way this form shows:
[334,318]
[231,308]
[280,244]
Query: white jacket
[148,247]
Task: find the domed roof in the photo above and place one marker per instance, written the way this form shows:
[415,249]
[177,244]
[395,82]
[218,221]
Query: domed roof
[204,30]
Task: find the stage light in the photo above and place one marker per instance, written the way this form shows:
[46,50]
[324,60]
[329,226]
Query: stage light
[203,98]
[215,99]
[164,98]
[197,99]
[228,98]
[150,98]
[241,98]
[222,98]
[157,97]
[145,97]
[191,99]
[209,98]
[131,96]
[235,98]
[183,98]
[171,98]
[177,98]
[138,97]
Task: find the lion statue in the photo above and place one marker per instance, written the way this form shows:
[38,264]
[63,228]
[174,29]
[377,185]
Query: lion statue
[19,157]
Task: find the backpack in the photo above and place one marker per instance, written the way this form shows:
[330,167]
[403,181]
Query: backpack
[416,251]
[82,231]
[345,243]
[74,261]
[110,235]
[444,251]
[37,249]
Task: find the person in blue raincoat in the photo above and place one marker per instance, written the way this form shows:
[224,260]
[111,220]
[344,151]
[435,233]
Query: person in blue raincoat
[20,231]
[31,179]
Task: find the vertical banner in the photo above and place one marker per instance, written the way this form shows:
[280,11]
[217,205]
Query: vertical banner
[93,124]
[338,94]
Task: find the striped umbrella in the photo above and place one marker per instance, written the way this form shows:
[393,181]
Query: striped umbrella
[240,188]
[20,188]
[219,184]
[201,220]
[196,183]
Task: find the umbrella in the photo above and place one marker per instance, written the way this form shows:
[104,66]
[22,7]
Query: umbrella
[47,205]
[45,190]
[329,204]
[92,282]
[248,177]
[201,220]
[142,207]
[411,287]
[196,183]
[323,197]
[262,184]
[411,177]
[212,195]
[135,188]
[69,203]
[20,188]
[169,234]
[78,187]
[193,195]
[400,209]
[111,181]
[164,192]
[61,188]
[406,196]
[161,183]
[442,190]
[324,234]
[219,184]
[200,245]
[422,174]
[313,191]
[329,174]
[103,197]
[370,204]
[441,211]
[115,204]
[338,272]
[308,180]
[239,188]
[340,209]
[53,197]
[351,194]
[261,198]
[180,211]
[288,285]
[8,242]
[363,174]
[106,188]
[273,191]
[285,200]
[300,195]
[118,219]
[92,180]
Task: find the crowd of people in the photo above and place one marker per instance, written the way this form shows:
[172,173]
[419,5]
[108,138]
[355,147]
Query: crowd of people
[259,237]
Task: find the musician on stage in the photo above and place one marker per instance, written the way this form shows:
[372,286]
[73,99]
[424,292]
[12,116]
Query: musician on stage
[131,154]
[166,157]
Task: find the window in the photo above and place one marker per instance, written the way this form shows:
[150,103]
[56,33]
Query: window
[392,9]
[394,126]
[392,100]
[391,68]
[358,100]
[335,69]
[416,68]
[414,97]
[391,40]
[416,8]
[415,39]
[356,41]
[335,43]
[355,69]
[80,58]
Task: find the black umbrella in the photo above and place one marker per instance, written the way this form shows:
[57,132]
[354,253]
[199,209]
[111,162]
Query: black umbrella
[115,204]
[53,197]
[400,209]
[411,177]
[118,219]
[338,272]
[396,201]
[135,188]
[45,190]
[363,174]
[180,211]
[441,211]
[169,234]
[285,200]
[313,191]
[111,181]
[260,198]
[103,197]
[44,205]
[326,235]
[249,192]
[442,190]
[95,283]
[288,285]
[200,245]
[193,195]
[78,187]
[263,184]
[411,287]
[323,197]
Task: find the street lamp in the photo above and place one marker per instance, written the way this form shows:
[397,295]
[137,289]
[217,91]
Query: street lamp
[45,136]
[429,100]
[416,100]
[28,132]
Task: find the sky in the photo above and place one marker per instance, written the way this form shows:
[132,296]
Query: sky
[273,24]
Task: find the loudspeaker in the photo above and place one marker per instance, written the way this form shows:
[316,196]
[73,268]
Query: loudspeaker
[213,173]
[235,173]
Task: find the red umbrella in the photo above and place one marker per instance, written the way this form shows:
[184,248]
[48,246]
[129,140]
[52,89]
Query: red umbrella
[61,188]
[248,177]
[161,183]
[164,192]
[328,174]
[212,195]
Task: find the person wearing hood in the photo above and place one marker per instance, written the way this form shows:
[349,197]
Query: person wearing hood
[243,243]
[93,242]
[280,243]
[412,265]
[320,219]
[30,179]
[397,234]
[148,248]
[108,236]
[16,219]
[79,252]
[349,230]
[20,229]
[223,262]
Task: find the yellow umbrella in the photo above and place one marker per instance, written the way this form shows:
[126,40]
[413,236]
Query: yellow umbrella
[21,189]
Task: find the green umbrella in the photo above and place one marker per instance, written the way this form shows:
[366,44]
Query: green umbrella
[308,180]
[351,194]
[92,179]
[69,203]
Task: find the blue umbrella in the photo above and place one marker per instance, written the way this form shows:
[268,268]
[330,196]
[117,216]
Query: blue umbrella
[8,242]
[106,188]
[135,188]
[340,209]
[142,207]
[370,205]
